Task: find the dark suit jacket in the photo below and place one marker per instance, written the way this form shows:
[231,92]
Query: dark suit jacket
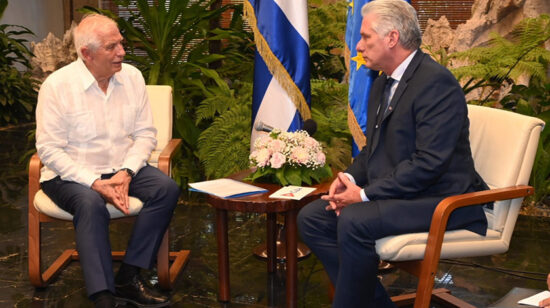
[420,153]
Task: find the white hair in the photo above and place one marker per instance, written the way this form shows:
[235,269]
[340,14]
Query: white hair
[395,15]
[89,30]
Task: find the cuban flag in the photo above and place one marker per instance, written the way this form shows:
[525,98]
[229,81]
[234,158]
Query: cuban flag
[281,93]
[360,78]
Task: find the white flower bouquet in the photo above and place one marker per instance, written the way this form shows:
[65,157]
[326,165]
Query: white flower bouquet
[288,158]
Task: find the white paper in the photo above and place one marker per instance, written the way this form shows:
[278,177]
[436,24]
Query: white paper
[535,299]
[292,192]
[226,188]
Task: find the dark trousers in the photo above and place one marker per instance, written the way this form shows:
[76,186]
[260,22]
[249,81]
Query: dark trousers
[159,194]
[345,245]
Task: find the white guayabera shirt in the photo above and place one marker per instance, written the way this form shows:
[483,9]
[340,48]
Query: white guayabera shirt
[82,132]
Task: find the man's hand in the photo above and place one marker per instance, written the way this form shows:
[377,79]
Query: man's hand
[342,193]
[115,190]
[335,188]
[124,179]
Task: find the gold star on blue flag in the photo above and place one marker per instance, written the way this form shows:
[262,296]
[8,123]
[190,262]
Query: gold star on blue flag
[359,61]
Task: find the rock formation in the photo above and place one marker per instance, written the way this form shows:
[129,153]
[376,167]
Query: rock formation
[499,16]
[438,34]
[52,54]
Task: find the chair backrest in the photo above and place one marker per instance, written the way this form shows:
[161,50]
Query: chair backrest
[160,98]
[503,145]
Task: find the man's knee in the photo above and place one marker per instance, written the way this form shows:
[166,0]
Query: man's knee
[348,223]
[170,189]
[358,222]
[313,219]
[155,185]
[306,214]
[91,205]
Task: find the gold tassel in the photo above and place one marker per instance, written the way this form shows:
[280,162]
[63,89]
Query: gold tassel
[355,130]
[275,67]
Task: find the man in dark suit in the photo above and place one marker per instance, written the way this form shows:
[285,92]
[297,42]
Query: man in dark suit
[417,154]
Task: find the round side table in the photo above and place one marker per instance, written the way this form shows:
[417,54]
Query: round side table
[261,203]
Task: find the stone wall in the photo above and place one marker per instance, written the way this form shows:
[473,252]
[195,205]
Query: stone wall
[499,16]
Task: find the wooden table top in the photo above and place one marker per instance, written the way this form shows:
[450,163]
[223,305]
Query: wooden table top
[261,203]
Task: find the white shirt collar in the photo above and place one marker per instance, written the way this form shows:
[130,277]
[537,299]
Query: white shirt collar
[400,70]
[88,79]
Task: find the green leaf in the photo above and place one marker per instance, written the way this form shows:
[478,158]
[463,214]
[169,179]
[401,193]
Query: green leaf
[3,5]
[293,176]
[280,175]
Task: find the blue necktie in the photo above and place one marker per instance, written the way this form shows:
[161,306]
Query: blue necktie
[387,91]
[384,104]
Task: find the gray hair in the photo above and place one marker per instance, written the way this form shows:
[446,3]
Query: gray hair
[88,32]
[395,15]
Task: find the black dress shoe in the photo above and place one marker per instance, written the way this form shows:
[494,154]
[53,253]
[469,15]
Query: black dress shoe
[139,294]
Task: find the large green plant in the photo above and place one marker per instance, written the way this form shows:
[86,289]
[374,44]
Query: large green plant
[534,100]
[238,49]
[329,109]
[17,88]
[225,145]
[327,26]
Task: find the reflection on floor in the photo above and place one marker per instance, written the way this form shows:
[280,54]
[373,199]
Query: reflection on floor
[479,281]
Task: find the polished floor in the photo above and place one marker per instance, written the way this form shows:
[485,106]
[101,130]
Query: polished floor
[478,281]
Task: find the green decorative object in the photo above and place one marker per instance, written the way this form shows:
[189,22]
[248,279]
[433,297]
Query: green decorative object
[288,158]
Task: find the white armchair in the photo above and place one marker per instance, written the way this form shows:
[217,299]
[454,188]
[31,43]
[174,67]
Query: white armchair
[503,145]
[42,209]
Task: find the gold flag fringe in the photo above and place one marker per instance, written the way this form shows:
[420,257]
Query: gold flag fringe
[355,129]
[275,67]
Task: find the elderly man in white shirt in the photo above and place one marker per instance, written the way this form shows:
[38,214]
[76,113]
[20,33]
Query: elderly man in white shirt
[94,135]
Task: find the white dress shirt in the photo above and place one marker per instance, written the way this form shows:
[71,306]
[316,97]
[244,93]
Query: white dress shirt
[82,132]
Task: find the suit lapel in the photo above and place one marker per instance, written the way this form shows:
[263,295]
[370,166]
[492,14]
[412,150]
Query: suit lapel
[373,133]
[374,110]
[402,86]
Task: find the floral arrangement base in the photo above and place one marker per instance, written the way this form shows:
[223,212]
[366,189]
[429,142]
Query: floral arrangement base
[288,158]
[290,176]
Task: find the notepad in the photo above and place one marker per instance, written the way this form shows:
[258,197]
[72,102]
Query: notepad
[292,192]
[226,188]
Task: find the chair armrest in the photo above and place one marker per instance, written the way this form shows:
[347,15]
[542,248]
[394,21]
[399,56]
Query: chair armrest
[34,186]
[34,175]
[167,154]
[448,205]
